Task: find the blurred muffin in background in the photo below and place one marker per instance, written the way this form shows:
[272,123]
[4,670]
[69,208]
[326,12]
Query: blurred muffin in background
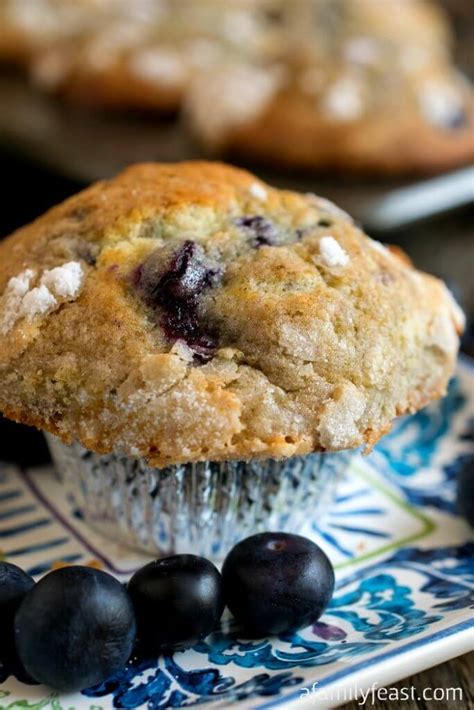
[358,85]
[144,54]
[367,85]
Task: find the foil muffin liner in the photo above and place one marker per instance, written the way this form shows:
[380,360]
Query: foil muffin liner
[200,508]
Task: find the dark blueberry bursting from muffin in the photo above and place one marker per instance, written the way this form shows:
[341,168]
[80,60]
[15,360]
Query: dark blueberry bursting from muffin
[177,291]
[262,232]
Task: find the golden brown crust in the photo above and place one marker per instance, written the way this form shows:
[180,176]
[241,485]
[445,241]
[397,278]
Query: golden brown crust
[323,336]
[375,143]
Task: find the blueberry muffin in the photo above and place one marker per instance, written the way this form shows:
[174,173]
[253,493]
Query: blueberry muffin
[365,85]
[145,54]
[189,312]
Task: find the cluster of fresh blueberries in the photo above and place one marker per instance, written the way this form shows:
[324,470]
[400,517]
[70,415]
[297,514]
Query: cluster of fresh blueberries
[78,626]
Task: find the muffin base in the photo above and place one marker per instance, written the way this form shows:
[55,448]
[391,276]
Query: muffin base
[200,508]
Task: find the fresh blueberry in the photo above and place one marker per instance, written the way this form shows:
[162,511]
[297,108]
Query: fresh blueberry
[465,493]
[262,231]
[276,583]
[173,286]
[178,600]
[14,584]
[75,628]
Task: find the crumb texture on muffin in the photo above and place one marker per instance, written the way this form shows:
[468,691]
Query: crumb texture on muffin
[190,312]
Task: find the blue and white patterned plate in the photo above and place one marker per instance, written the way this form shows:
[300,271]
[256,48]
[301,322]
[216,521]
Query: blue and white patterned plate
[403,601]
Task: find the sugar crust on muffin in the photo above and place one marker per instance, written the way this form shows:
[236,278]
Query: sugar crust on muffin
[187,312]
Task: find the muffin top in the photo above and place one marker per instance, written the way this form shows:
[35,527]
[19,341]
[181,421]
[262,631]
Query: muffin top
[190,312]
